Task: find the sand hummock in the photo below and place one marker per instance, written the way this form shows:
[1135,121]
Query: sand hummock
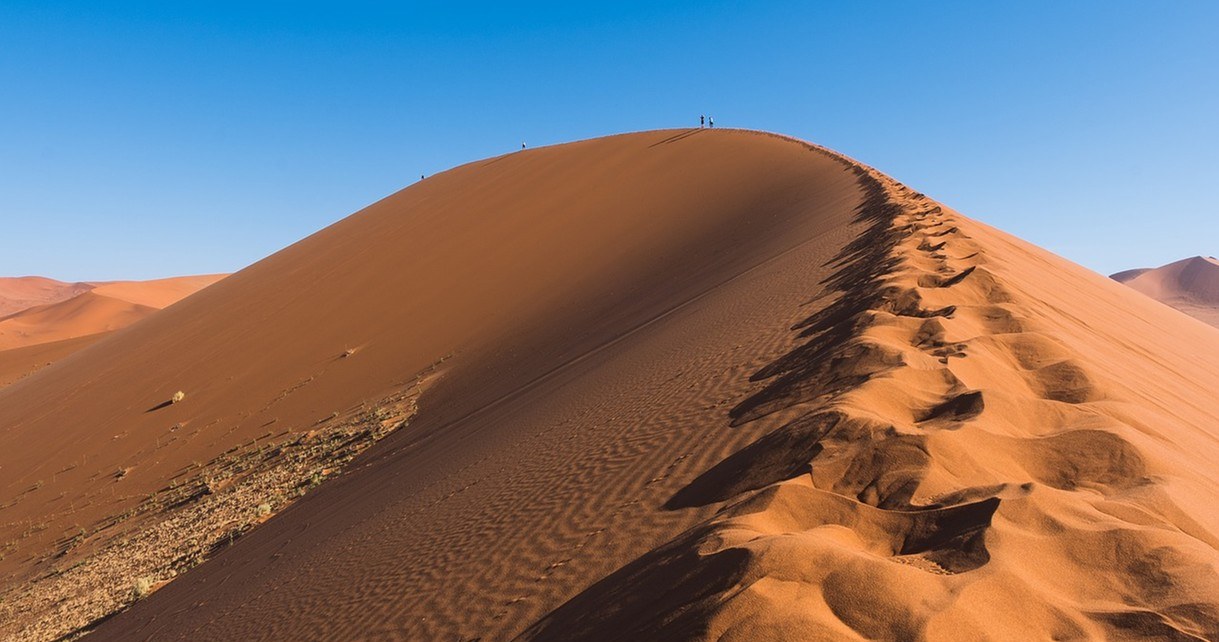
[1189,285]
[675,385]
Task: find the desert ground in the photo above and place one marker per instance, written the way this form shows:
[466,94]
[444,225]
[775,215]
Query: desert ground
[673,385]
[1189,285]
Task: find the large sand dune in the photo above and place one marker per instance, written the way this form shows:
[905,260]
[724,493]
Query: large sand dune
[704,385]
[1189,285]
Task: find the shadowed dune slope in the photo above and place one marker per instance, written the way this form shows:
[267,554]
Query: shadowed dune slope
[595,305]
[1189,285]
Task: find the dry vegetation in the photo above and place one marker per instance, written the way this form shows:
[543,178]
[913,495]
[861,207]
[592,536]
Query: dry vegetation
[204,509]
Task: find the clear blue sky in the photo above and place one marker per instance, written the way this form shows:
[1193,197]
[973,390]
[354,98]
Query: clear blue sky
[149,139]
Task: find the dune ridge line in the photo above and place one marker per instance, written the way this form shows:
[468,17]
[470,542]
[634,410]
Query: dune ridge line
[854,521]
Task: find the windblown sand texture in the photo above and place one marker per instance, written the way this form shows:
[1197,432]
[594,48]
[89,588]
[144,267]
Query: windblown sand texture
[678,385]
[1189,285]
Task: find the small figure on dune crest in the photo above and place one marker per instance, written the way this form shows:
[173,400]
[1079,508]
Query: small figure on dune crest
[522,144]
[711,122]
[702,122]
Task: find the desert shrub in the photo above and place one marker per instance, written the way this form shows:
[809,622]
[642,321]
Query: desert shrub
[142,587]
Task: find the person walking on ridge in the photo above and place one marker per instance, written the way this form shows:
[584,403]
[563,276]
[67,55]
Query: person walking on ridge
[702,122]
[711,122]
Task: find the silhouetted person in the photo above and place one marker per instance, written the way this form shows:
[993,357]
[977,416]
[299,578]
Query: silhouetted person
[522,144]
[711,122]
[702,122]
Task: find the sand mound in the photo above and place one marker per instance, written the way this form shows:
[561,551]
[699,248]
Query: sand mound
[699,385]
[1190,285]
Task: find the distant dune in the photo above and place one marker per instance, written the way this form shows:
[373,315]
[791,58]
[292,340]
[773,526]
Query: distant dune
[674,385]
[157,293]
[1190,285]
[20,293]
[80,309]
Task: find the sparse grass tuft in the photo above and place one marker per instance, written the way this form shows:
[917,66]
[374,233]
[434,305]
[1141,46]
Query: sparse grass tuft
[142,587]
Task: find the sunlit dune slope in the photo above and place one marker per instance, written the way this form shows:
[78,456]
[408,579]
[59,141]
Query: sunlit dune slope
[1189,285]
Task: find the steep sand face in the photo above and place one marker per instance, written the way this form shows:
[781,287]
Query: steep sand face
[704,386]
[601,304]
[1190,285]
[23,292]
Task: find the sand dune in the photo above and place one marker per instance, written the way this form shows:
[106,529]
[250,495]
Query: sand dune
[157,293]
[20,293]
[678,385]
[84,314]
[1190,285]
[98,308]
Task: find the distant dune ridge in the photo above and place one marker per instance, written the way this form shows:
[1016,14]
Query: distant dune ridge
[43,310]
[22,292]
[673,385]
[1189,285]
